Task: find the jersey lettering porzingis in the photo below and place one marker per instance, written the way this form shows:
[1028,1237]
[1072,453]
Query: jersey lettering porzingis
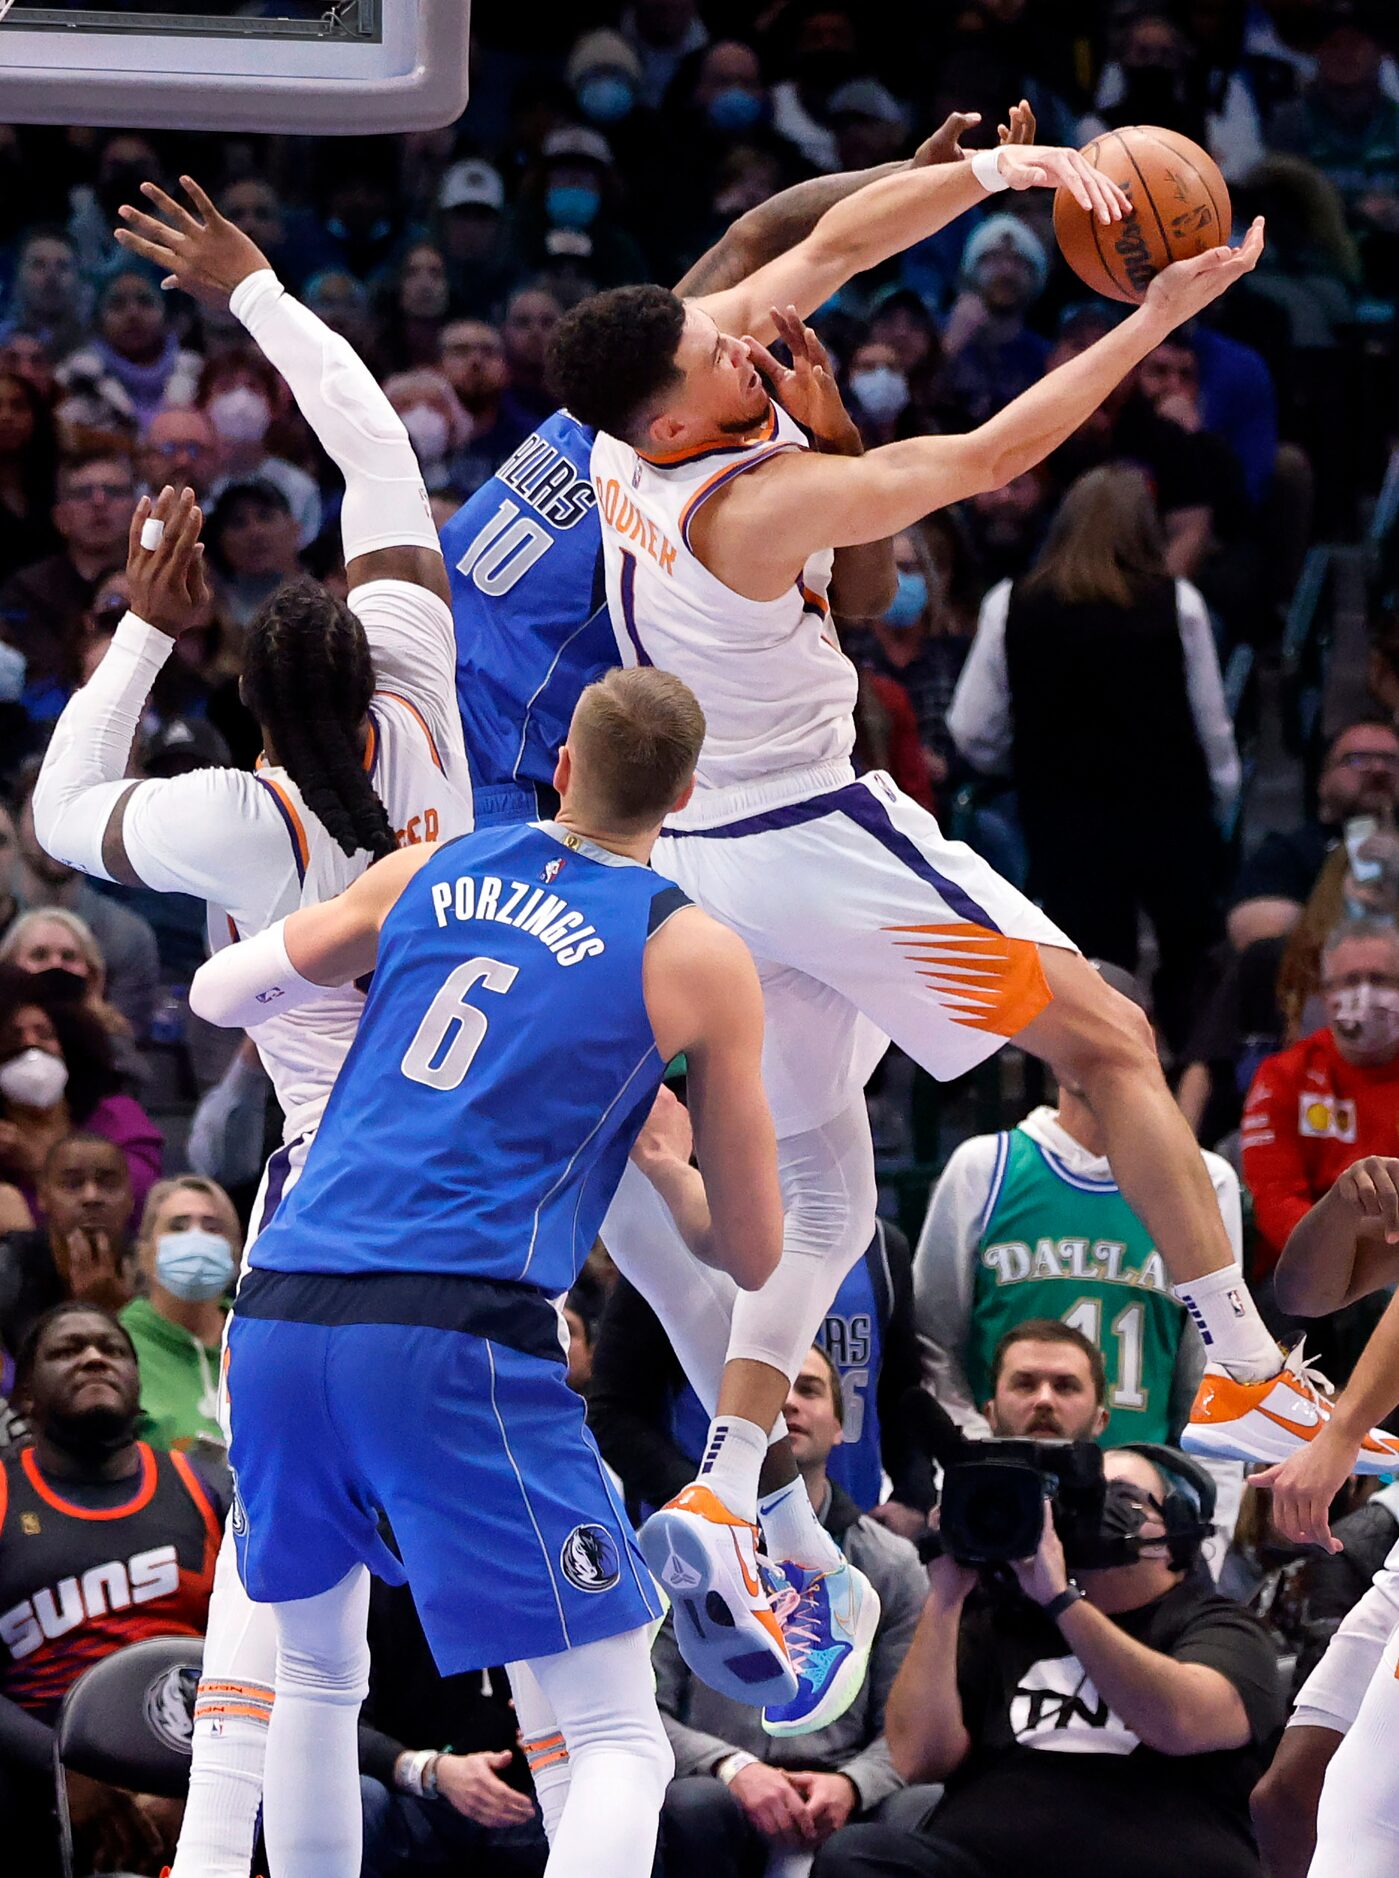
[524,554]
[777,692]
[1059,1244]
[504,1065]
[77,1583]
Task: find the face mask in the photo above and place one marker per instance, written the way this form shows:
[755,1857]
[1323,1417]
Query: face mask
[881,392]
[240,415]
[606,98]
[572,205]
[1364,1016]
[733,108]
[194,1265]
[427,432]
[1126,1510]
[910,602]
[34,1079]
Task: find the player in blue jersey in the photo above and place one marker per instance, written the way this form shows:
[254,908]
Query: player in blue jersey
[396,1347]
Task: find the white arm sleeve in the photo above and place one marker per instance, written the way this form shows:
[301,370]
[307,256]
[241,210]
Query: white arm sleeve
[84,772]
[944,1276]
[386,504]
[1205,689]
[243,985]
[979,717]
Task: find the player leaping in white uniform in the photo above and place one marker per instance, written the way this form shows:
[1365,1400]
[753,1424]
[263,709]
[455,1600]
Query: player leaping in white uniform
[718,524]
[364,754]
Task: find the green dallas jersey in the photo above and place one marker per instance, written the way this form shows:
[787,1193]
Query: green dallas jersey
[1057,1244]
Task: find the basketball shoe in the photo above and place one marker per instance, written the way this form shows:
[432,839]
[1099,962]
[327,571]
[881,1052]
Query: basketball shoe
[1271,1419]
[828,1619]
[706,1559]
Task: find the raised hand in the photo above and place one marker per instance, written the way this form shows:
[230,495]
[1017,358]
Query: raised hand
[1180,290]
[169,587]
[945,144]
[806,390]
[666,1135]
[1021,127]
[203,252]
[1045,166]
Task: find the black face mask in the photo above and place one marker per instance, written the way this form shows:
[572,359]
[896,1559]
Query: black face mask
[1119,1542]
[92,1437]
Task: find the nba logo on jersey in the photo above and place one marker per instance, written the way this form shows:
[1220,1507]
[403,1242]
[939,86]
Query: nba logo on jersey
[552,870]
[589,1559]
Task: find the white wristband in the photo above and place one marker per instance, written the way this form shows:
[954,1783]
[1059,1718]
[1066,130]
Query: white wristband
[408,1773]
[986,167]
[733,1764]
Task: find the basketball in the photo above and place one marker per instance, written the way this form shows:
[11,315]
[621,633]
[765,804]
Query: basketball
[1180,207]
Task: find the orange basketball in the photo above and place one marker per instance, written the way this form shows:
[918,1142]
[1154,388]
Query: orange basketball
[1180,207]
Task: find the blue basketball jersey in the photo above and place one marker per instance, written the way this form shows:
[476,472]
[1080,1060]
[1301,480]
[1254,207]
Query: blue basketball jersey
[530,605]
[503,1067]
[853,1337]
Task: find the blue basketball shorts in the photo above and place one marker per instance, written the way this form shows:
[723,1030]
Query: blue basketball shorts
[461,1432]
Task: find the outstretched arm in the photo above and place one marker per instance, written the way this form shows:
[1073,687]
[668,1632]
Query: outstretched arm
[386,519]
[285,967]
[892,214]
[799,502]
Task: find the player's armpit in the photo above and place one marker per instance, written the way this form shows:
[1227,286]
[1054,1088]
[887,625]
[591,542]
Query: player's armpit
[420,567]
[703,997]
[338,941]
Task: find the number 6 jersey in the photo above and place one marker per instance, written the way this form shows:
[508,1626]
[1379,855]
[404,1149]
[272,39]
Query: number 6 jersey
[504,1065]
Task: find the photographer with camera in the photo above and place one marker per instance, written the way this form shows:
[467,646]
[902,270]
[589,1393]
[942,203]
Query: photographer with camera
[1091,1718]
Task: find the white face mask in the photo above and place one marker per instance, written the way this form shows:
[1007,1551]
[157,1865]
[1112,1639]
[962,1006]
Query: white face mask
[427,432]
[34,1079]
[1365,1016]
[880,392]
[240,414]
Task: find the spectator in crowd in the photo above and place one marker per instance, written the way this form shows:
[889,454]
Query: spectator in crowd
[1032,1225]
[1359,778]
[474,235]
[125,941]
[57,1073]
[134,364]
[362,214]
[344,304]
[42,605]
[1070,1732]
[473,363]
[871,126]
[47,301]
[1333,1098]
[187,1257]
[822,54]
[567,224]
[1160,79]
[51,939]
[28,465]
[431,1808]
[1048,1383]
[886,736]
[879,391]
[992,356]
[241,394]
[1312,265]
[900,320]
[662,33]
[432,415]
[181,447]
[651,1426]
[125,160]
[740,1795]
[531,314]
[81,1252]
[289,239]
[1006,526]
[1346,125]
[417,305]
[1099,620]
[252,539]
[117,1538]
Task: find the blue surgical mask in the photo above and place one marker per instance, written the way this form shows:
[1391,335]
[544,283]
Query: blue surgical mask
[606,97]
[733,108]
[910,602]
[194,1265]
[572,205]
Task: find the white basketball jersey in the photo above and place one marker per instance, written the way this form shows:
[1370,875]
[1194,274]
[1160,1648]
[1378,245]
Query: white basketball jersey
[250,847]
[777,692]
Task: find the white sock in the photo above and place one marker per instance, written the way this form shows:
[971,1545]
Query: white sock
[1227,1318]
[311,1800]
[225,1789]
[733,1459]
[791,1530]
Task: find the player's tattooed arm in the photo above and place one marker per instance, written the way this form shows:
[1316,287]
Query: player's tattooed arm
[768,230]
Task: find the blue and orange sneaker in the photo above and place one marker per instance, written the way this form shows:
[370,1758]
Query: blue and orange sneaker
[829,1619]
[706,1559]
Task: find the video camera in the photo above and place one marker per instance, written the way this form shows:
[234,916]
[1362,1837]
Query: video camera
[994,1490]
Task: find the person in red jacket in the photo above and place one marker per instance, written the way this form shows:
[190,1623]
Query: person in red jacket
[1333,1098]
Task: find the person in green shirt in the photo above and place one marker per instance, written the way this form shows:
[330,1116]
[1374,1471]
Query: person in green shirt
[187,1252]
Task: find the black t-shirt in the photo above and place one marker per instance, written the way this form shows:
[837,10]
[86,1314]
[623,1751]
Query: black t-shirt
[1057,1784]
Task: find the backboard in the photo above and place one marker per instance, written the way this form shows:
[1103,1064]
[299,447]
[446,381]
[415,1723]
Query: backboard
[324,67]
